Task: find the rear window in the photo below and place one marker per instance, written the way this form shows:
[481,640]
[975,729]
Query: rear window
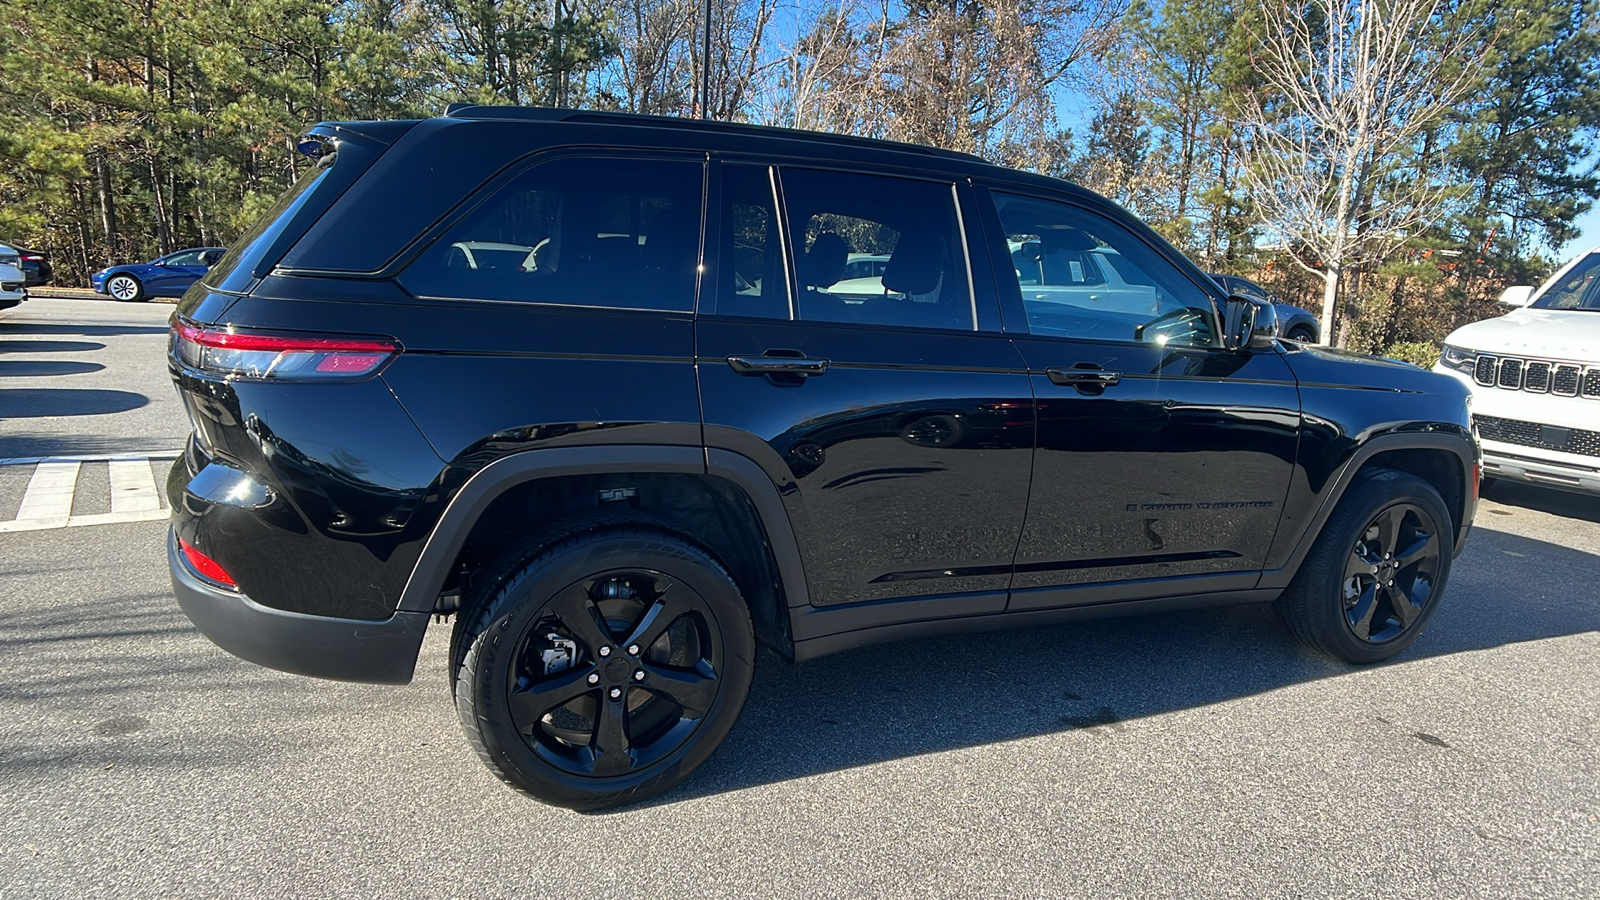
[259,249]
[616,233]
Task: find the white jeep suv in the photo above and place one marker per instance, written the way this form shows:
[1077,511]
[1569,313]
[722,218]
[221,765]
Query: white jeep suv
[1535,378]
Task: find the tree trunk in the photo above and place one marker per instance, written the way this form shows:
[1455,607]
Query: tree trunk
[1330,297]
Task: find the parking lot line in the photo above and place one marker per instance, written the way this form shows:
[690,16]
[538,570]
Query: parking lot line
[49,494]
[133,487]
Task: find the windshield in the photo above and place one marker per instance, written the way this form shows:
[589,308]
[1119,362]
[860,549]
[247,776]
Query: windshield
[1576,288]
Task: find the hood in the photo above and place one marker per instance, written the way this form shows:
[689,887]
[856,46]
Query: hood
[1541,333]
[1314,364]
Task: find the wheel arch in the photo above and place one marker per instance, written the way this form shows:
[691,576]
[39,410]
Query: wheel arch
[1447,461]
[719,500]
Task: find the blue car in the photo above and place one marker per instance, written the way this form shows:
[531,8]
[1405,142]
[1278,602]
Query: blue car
[167,276]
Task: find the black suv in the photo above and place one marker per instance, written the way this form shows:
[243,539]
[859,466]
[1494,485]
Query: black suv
[597,385]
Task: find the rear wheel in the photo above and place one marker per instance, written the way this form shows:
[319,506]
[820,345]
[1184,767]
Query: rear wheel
[604,669]
[1376,573]
[1302,334]
[125,288]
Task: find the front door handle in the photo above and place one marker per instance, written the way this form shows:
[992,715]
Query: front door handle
[1083,377]
[777,365]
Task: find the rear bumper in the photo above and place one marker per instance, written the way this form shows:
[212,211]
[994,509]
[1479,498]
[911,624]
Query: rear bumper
[382,651]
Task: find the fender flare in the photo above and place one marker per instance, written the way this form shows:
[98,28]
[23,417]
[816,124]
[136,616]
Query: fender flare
[1464,448]
[449,534]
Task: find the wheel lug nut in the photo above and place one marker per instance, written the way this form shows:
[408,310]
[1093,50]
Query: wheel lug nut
[1391,582]
[616,693]
[633,649]
[605,651]
[594,677]
[639,675]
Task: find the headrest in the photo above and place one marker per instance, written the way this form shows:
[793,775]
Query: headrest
[823,264]
[1058,239]
[916,264]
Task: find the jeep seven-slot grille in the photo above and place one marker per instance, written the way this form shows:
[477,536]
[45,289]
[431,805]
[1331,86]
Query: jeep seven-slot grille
[1532,434]
[1537,376]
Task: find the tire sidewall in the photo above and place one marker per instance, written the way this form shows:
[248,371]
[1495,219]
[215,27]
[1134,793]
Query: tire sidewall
[1372,496]
[494,648]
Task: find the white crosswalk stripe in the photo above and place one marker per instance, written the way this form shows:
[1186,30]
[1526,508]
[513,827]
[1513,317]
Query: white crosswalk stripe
[56,486]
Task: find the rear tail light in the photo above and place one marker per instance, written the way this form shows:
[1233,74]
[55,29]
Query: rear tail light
[262,356]
[33,257]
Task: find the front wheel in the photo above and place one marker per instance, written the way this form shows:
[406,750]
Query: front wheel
[1302,334]
[604,669]
[125,288]
[1377,571]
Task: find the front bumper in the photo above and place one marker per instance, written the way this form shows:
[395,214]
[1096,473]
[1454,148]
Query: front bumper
[382,651]
[98,282]
[1516,463]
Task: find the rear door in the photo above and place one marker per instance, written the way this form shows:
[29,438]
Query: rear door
[1161,454]
[891,412]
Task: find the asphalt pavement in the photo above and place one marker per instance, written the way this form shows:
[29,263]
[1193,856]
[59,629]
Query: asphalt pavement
[1183,755]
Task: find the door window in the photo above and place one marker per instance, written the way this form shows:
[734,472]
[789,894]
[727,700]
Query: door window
[905,229]
[619,233]
[186,258]
[1083,276]
[749,274]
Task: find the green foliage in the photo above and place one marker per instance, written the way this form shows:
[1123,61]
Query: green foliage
[1420,353]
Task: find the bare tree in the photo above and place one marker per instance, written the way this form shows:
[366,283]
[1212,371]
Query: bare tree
[1331,141]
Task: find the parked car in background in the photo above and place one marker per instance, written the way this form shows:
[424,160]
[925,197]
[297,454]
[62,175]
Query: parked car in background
[35,264]
[12,288]
[1533,373]
[166,276]
[1294,323]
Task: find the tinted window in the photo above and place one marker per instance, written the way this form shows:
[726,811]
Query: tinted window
[621,233]
[1579,288]
[1081,275]
[186,258]
[749,277]
[834,217]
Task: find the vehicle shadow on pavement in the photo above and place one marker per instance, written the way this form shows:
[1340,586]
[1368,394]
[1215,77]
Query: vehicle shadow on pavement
[25,368]
[50,346]
[21,403]
[1566,504]
[14,328]
[933,695]
[30,445]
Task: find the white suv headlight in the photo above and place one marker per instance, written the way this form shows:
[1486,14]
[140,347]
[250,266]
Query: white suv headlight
[1456,358]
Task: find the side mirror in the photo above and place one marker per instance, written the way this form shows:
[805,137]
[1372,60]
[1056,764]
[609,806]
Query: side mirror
[1518,296]
[1257,327]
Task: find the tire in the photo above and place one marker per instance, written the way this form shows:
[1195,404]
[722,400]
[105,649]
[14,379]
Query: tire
[125,288]
[1302,334]
[546,647]
[1377,572]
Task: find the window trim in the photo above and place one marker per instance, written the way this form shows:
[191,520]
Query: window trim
[491,188]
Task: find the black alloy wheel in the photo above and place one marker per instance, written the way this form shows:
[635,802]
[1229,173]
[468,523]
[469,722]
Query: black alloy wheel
[1389,579]
[605,669]
[1377,571]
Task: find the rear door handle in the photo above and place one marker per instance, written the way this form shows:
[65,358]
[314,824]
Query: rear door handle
[1083,377]
[777,365]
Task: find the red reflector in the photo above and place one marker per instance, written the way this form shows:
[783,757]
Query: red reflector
[350,362]
[204,564]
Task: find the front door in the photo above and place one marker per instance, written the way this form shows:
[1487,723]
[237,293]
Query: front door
[1161,453]
[892,414]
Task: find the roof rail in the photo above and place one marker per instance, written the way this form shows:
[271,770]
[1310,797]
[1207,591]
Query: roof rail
[641,120]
